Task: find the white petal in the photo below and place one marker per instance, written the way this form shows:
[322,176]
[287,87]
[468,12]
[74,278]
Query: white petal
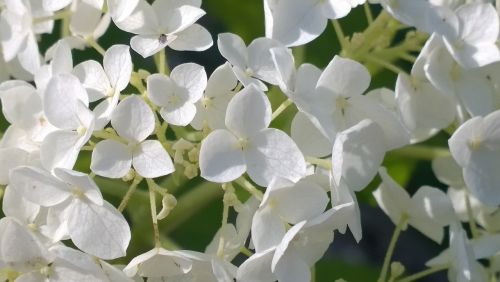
[292,268]
[248,112]
[150,160]
[62,61]
[357,154]
[60,101]
[133,119]
[482,177]
[367,107]
[148,45]
[273,153]
[460,141]
[15,205]
[120,10]
[177,19]
[391,197]
[193,38]
[285,68]
[345,77]
[308,138]
[101,231]
[93,78]
[158,262]
[192,77]
[11,158]
[19,247]
[335,9]
[181,115]
[423,108]
[268,229]
[60,149]
[38,186]
[232,47]
[311,198]
[260,59]
[221,157]
[257,268]
[295,22]
[111,159]
[160,88]
[222,81]
[82,181]
[117,63]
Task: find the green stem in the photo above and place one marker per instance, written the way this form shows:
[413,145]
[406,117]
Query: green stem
[344,43]
[424,273]
[161,62]
[57,16]
[154,217]
[116,188]
[392,246]
[131,190]
[281,108]
[421,152]
[93,43]
[472,220]
[368,13]
[388,65]
[225,215]
[250,188]
[324,163]
[244,250]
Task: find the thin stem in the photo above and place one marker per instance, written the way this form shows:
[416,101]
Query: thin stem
[387,65]
[225,215]
[344,44]
[93,43]
[392,245]
[152,203]
[161,62]
[106,135]
[313,273]
[324,163]
[368,13]
[65,26]
[57,16]
[244,250]
[281,108]
[421,152]
[250,188]
[472,220]
[408,57]
[424,273]
[130,192]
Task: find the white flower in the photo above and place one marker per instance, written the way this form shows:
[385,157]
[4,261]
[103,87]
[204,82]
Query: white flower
[429,210]
[164,23]
[357,154]
[177,94]
[211,108]
[18,33]
[106,83]
[249,145]
[469,47]
[297,22]
[462,255]
[134,121]
[474,146]
[93,224]
[279,208]
[250,64]
[337,103]
[423,108]
[65,104]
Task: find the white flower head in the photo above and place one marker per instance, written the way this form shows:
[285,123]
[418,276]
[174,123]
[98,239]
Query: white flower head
[134,121]
[177,94]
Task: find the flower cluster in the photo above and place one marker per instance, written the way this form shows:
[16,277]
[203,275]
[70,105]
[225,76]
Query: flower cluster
[299,186]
